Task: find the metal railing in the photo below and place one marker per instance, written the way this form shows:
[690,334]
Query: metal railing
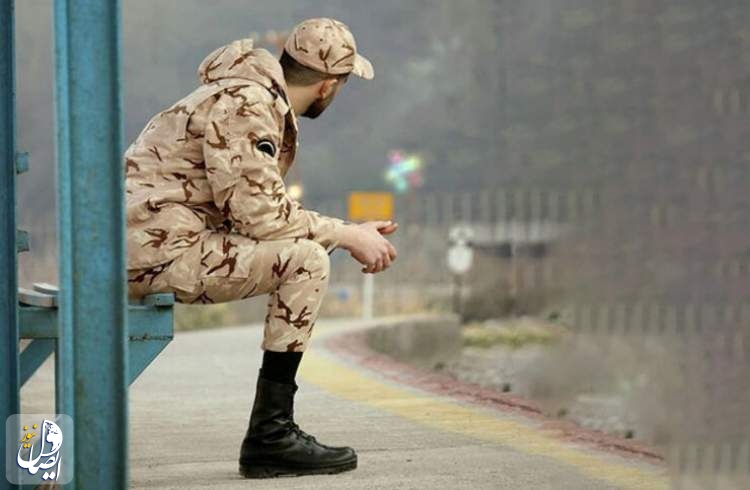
[100,344]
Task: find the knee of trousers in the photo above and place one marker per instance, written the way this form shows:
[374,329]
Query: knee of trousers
[314,258]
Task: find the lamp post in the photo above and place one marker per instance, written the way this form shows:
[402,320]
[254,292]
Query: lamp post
[460,257]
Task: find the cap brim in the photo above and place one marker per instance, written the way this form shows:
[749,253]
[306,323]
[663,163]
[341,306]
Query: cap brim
[363,67]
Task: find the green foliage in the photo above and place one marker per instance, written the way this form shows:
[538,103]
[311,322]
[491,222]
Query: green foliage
[195,317]
[513,336]
[493,302]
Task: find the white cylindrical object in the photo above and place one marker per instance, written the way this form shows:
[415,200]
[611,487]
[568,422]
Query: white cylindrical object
[368,292]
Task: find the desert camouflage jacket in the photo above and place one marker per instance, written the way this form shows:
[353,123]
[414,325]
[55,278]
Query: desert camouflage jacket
[216,160]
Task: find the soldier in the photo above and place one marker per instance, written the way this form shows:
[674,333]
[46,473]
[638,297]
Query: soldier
[210,220]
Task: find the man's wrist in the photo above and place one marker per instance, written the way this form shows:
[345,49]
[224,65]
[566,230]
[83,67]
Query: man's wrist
[346,235]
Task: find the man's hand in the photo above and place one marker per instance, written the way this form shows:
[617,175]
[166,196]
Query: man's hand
[368,246]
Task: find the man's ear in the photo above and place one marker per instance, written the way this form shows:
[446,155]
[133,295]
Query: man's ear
[327,87]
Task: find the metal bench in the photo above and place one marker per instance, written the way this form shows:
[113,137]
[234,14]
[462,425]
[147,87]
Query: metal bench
[150,322]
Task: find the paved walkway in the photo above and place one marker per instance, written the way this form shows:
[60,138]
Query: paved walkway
[189,411]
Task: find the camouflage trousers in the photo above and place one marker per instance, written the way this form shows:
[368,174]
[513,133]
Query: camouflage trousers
[222,267]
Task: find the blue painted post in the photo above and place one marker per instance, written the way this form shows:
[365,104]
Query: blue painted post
[9,380]
[93,377]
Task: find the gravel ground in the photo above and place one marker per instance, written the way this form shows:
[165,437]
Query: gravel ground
[531,368]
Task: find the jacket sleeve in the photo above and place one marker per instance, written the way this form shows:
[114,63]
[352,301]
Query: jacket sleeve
[241,148]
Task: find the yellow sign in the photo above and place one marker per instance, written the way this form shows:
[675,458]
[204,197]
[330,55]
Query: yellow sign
[370,206]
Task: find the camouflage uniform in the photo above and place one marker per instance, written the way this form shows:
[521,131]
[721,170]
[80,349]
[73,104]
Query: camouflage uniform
[208,215]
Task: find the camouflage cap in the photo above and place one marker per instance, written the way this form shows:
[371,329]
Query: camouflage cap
[327,45]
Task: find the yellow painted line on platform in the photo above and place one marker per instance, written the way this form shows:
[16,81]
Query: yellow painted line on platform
[343,381]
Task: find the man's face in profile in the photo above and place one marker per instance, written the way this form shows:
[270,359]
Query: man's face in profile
[317,107]
[321,103]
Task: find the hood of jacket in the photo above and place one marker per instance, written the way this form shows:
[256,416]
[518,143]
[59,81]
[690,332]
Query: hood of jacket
[239,59]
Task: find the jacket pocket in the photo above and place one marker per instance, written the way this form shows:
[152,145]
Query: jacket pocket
[163,236]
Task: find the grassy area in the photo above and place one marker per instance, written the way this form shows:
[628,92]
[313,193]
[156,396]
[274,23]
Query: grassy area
[253,310]
[195,317]
[514,333]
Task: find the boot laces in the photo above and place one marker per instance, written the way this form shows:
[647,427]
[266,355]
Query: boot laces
[296,428]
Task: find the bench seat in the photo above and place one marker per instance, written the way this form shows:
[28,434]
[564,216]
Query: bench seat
[150,328]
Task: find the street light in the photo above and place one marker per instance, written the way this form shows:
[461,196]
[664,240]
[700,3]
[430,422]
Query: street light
[295,191]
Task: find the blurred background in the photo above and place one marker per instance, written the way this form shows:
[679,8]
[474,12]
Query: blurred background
[592,155]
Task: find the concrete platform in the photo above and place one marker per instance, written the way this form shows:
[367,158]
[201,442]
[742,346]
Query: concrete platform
[189,411]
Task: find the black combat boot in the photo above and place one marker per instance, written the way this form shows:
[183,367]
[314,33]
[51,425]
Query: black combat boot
[274,445]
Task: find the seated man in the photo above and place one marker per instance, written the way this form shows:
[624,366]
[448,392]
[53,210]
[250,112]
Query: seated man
[210,220]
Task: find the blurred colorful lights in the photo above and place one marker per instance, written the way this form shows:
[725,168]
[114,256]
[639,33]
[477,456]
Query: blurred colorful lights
[404,171]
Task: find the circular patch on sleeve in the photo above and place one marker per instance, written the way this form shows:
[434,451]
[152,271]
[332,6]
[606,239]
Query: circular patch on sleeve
[266,146]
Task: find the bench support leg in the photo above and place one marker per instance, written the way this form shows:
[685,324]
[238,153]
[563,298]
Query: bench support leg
[34,355]
[142,353]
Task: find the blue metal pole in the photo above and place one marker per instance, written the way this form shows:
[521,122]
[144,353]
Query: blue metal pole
[9,381]
[64,389]
[93,294]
